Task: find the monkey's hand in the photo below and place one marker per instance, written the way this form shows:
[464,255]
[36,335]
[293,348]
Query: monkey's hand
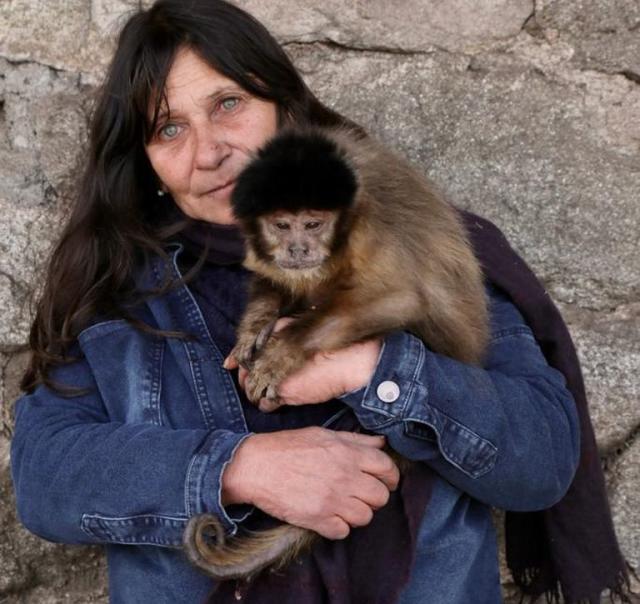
[249,345]
[276,361]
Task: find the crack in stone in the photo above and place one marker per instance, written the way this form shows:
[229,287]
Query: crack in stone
[612,453]
[530,19]
[9,278]
[365,49]
[630,75]
[6,418]
[607,303]
[18,286]
[18,62]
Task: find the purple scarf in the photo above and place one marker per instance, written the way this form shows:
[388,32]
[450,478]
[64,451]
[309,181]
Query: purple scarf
[224,244]
[569,550]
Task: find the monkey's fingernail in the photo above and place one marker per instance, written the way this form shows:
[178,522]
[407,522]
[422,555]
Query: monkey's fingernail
[272,394]
[267,405]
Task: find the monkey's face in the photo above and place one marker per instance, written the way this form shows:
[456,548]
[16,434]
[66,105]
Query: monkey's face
[300,240]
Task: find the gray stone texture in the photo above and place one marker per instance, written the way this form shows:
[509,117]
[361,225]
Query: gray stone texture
[624,480]
[403,26]
[526,112]
[602,33]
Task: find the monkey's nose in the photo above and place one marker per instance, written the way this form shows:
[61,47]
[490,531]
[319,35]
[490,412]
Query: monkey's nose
[298,251]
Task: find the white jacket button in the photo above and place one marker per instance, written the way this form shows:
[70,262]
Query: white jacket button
[388,391]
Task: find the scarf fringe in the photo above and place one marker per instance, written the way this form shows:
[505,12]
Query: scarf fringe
[527,581]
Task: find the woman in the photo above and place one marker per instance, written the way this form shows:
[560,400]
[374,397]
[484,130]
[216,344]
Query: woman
[130,424]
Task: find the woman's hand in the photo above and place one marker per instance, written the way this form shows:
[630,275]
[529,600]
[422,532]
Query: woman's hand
[315,478]
[328,375]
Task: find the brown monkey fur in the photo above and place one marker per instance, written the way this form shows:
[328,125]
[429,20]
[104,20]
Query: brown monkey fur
[393,256]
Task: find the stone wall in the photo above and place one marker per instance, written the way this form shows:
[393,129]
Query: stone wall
[525,112]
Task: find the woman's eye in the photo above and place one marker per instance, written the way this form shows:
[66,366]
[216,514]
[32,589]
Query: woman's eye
[169,131]
[282,226]
[230,103]
[310,226]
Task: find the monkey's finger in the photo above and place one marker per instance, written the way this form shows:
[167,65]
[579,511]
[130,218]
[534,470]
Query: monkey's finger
[254,388]
[263,336]
[281,323]
[272,393]
[267,405]
[243,372]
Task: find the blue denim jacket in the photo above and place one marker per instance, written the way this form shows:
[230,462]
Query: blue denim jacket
[127,463]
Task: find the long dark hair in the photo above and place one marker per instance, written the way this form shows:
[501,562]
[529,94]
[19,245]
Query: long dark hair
[117,218]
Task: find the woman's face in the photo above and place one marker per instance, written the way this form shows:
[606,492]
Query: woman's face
[213,128]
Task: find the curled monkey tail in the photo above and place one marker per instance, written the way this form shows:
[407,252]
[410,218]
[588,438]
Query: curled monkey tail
[241,557]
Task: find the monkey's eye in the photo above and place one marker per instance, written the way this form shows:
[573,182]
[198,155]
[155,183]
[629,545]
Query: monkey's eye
[312,226]
[282,226]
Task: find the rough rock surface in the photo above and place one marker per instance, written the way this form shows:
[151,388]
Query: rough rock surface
[527,112]
[408,26]
[602,33]
[624,480]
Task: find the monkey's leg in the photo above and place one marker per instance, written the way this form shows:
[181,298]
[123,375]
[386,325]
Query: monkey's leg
[356,317]
[258,322]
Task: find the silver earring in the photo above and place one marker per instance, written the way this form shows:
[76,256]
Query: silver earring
[160,192]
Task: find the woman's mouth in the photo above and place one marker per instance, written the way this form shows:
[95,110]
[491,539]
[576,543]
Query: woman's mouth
[223,189]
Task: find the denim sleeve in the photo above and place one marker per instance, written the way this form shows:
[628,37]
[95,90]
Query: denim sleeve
[507,434]
[81,478]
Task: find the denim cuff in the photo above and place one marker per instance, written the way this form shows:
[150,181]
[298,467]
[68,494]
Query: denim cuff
[203,485]
[395,384]
[399,403]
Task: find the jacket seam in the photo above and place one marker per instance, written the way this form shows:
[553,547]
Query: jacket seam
[82,336]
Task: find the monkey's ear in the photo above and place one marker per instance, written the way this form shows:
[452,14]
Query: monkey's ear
[296,170]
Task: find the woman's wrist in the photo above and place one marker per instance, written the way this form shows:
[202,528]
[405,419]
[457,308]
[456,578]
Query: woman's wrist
[236,477]
[360,372]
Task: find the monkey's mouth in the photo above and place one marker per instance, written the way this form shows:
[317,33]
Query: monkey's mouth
[297,265]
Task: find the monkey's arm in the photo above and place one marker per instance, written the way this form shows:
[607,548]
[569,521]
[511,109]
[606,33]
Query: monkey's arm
[332,327]
[258,320]
[507,434]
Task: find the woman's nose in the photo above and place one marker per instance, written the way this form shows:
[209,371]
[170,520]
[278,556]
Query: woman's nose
[210,149]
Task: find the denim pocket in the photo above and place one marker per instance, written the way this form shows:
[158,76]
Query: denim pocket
[147,529]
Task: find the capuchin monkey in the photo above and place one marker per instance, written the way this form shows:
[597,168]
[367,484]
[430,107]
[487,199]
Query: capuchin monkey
[352,243]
